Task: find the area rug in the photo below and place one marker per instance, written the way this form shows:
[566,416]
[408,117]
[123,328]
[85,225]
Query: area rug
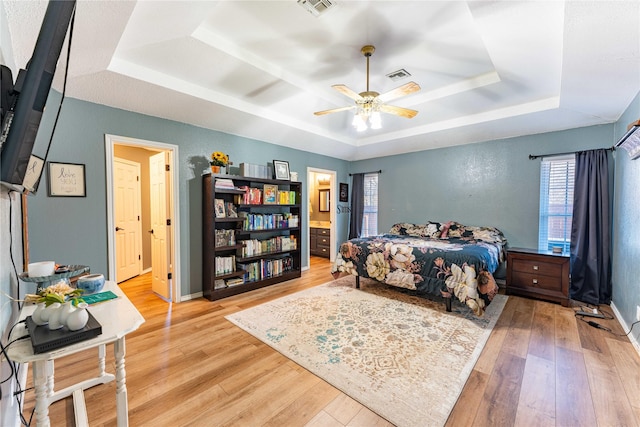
[400,355]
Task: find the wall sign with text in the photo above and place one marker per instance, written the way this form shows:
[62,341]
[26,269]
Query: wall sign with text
[66,180]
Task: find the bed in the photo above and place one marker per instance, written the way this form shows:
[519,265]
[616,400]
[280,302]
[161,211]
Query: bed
[445,259]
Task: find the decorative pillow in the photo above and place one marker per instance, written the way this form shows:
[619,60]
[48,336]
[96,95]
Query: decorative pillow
[458,230]
[489,234]
[401,228]
[444,230]
[433,230]
[416,230]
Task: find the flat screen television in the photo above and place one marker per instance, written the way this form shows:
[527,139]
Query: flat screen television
[24,101]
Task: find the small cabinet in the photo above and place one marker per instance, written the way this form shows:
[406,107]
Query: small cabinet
[319,241]
[538,274]
[251,233]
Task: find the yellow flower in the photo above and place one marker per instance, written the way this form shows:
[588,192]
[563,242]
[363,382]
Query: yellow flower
[218,158]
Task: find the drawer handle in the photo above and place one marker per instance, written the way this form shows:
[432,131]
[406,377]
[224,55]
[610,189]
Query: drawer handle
[535,281]
[535,267]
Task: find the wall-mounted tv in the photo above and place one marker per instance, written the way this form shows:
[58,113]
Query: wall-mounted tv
[25,99]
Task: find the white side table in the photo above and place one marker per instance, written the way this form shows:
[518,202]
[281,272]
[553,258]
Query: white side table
[118,317]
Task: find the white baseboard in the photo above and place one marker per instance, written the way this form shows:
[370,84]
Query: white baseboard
[626,327]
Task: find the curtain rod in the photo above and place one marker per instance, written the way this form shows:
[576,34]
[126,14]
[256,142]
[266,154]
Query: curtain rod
[378,171]
[535,156]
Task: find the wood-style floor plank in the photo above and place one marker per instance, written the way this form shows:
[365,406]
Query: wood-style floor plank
[188,365]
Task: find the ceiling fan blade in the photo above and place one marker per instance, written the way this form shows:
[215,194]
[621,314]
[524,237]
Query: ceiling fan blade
[348,92]
[398,111]
[334,110]
[403,90]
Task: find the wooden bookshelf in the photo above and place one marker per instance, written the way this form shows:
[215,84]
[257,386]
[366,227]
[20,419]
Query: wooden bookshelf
[274,266]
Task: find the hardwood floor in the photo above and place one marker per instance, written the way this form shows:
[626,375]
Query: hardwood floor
[187,365]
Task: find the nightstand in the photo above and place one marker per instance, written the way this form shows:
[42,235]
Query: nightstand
[538,274]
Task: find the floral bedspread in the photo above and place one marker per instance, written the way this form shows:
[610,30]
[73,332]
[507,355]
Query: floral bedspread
[458,266]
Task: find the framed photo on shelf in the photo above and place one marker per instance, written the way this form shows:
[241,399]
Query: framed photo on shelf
[344,192]
[219,208]
[270,194]
[232,212]
[281,169]
[66,180]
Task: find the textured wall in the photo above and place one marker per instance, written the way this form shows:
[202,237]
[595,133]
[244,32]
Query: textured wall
[490,183]
[79,235]
[626,229]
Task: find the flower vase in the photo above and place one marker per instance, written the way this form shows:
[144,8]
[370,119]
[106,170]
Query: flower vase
[54,316]
[46,313]
[37,315]
[215,169]
[65,311]
[78,318]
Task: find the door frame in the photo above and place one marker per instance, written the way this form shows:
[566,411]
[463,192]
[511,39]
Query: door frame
[333,206]
[110,142]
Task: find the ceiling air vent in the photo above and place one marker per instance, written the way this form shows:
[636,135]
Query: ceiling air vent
[316,7]
[398,75]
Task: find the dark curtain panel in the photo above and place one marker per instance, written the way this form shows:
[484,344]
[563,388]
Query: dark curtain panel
[591,229]
[357,205]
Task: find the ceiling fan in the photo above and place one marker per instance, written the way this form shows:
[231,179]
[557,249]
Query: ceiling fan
[369,104]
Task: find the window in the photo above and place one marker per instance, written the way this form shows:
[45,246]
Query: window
[556,202]
[370,216]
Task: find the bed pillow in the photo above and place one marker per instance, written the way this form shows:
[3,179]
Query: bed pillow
[486,234]
[416,230]
[459,230]
[444,230]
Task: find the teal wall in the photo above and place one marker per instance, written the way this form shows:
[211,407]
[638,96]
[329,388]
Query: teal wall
[73,230]
[490,183]
[626,226]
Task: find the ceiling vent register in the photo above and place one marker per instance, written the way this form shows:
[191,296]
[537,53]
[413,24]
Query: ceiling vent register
[316,7]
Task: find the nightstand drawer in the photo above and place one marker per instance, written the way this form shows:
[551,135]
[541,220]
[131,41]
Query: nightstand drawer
[538,274]
[536,267]
[520,280]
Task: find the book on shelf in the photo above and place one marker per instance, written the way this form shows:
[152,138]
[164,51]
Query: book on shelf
[225,265]
[235,281]
[219,284]
[219,208]
[224,184]
[266,268]
[225,238]
[251,196]
[254,222]
[255,247]
[286,197]
[255,171]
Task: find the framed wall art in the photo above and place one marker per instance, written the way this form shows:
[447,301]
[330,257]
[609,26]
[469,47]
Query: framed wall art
[344,192]
[281,169]
[66,180]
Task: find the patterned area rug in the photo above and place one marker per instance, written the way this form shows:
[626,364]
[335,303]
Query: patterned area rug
[402,356]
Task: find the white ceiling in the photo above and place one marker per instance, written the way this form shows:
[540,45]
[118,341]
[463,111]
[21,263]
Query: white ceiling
[259,69]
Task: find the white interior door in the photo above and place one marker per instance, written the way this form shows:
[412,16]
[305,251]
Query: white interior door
[160,220]
[128,225]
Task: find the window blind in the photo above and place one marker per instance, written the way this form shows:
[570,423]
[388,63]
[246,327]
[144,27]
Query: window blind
[370,215]
[556,202]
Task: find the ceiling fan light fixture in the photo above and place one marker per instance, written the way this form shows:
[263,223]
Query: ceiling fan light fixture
[376,120]
[369,104]
[360,122]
